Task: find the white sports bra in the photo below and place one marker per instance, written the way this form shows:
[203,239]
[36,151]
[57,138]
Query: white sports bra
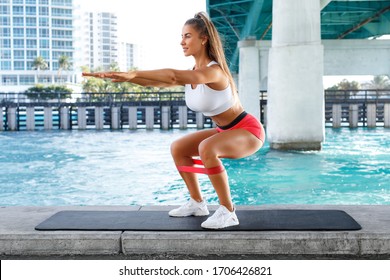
[209,101]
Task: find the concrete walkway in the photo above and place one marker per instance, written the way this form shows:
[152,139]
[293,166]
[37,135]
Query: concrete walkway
[19,240]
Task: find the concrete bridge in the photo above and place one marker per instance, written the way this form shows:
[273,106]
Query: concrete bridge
[286,47]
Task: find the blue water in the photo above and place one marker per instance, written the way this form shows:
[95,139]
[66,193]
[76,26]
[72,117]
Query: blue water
[135,168]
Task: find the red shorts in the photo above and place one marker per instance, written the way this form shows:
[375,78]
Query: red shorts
[248,122]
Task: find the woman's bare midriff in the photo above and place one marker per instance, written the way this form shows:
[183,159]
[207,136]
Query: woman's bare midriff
[229,115]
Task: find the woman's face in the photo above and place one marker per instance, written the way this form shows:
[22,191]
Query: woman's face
[191,41]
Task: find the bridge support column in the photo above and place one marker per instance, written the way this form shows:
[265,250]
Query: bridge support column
[336,115]
[30,118]
[165,117]
[353,115]
[1,119]
[249,78]
[371,115]
[199,120]
[48,118]
[183,117]
[149,117]
[133,118]
[296,97]
[82,117]
[11,119]
[65,118]
[115,117]
[387,115]
[99,117]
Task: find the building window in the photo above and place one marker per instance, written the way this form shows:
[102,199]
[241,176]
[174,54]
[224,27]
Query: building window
[5,54]
[31,32]
[26,80]
[31,10]
[43,11]
[62,45]
[5,21]
[17,10]
[62,2]
[43,21]
[62,34]
[18,54]
[44,2]
[18,65]
[44,44]
[5,65]
[18,32]
[61,12]
[31,2]
[31,44]
[9,80]
[31,21]
[4,10]
[45,54]
[5,43]
[18,43]
[44,79]
[18,21]
[61,23]
[5,32]
[31,54]
[44,33]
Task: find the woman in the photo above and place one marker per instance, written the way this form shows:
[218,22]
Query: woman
[210,89]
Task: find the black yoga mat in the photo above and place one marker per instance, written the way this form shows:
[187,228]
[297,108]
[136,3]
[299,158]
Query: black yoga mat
[250,220]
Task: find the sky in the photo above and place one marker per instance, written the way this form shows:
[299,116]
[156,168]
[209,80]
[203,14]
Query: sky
[154,25]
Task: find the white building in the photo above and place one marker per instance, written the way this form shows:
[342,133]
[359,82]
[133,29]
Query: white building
[51,29]
[129,57]
[31,29]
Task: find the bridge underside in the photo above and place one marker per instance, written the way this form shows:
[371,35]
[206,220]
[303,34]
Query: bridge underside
[238,20]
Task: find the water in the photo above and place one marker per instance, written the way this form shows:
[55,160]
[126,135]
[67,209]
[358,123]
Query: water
[135,168]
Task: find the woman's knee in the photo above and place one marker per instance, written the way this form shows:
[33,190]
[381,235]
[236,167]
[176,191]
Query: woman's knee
[207,152]
[176,148]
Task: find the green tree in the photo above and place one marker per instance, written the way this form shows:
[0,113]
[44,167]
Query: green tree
[378,82]
[63,64]
[39,64]
[41,92]
[347,85]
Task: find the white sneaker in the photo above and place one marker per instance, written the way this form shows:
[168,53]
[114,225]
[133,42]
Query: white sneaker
[222,218]
[191,208]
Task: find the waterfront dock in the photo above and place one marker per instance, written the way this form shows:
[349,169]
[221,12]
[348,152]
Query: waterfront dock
[19,240]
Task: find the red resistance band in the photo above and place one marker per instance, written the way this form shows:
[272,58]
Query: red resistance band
[201,170]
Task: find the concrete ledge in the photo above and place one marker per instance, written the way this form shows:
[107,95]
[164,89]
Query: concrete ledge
[18,239]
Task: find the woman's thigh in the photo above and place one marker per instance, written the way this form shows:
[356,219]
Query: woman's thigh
[188,145]
[236,143]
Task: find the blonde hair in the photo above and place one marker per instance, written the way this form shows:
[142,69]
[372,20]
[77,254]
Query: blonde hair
[202,23]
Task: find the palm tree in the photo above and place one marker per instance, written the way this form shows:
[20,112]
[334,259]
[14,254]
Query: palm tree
[39,64]
[379,82]
[63,64]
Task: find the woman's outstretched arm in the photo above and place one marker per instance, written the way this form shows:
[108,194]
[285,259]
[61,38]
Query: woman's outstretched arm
[163,77]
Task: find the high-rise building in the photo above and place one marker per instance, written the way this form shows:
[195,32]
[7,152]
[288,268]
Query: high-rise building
[30,29]
[103,40]
[128,56]
[54,31]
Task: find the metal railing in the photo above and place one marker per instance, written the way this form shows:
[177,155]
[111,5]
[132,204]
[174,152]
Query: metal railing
[59,98]
[346,99]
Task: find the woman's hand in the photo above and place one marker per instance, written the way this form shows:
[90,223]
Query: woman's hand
[117,77]
[101,75]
